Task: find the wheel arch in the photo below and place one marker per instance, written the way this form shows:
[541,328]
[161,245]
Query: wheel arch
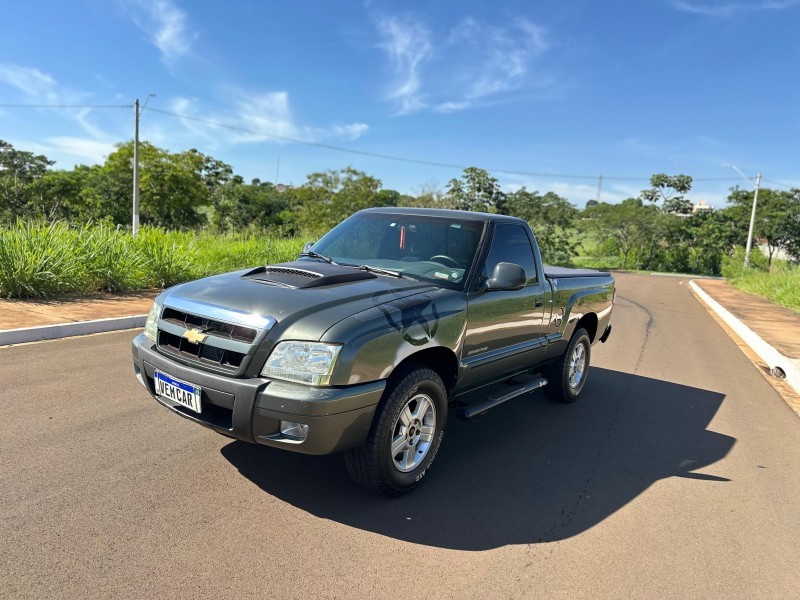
[439,359]
[589,322]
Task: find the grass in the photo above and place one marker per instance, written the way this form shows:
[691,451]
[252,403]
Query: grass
[779,283]
[41,260]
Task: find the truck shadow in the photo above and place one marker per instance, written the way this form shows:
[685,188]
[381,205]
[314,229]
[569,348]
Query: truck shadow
[528,471]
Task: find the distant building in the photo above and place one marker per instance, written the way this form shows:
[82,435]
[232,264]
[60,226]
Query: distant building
[702,207]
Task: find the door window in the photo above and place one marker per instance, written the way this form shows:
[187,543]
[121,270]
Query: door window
[510,244]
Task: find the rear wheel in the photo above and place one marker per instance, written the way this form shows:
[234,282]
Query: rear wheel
[567,376]
[405,435]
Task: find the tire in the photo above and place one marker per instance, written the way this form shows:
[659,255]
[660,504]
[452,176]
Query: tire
[411,419]
[565,381]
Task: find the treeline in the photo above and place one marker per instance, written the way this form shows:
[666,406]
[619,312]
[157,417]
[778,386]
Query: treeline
[190,191]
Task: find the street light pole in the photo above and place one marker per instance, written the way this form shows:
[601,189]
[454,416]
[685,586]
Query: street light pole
[752,223]
[752,214]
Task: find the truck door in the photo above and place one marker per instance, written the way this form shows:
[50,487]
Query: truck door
[506,330]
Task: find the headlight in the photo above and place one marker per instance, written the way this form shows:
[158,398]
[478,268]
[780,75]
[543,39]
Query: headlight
[151,326]
[305,362]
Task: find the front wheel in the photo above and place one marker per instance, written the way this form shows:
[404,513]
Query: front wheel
[405,435]
[567,376]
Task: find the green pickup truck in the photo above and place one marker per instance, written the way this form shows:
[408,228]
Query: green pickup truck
[365,342]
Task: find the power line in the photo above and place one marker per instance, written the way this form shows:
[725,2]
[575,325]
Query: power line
[379,155]
[66,105]
[405,159]
[781,184]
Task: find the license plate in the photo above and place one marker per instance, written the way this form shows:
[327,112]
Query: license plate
[177,390]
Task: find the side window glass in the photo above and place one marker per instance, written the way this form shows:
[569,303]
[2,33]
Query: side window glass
[510,244]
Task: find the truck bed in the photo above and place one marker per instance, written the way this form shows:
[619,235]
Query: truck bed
[565,273]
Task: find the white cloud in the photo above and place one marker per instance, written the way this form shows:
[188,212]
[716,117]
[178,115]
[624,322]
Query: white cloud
[28,80]
[509,52]
[257,118]
[729,9]
[408,45]
[578,193]
[166,25]
[67,151]
[39,87]
[92,150]
[473,64]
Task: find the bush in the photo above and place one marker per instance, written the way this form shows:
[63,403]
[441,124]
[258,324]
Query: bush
[733,264]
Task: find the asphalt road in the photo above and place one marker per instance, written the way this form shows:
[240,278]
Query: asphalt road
[675,476]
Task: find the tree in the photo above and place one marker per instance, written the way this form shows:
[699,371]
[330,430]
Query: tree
[20,171]
[475,190]
[330,197]
[174,188]
[777,218]
[671,190]
[630,228]
[552,219]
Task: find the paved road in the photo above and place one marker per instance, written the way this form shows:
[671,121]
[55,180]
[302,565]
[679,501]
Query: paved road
[677,475]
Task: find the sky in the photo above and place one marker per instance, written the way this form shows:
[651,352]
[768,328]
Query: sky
[544,95]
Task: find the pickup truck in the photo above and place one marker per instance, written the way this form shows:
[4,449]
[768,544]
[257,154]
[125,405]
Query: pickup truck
[365,342]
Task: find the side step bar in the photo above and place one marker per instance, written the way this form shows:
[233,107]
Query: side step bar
[478,409]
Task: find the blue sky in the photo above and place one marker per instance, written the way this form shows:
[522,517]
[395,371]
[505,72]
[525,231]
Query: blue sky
[541,90]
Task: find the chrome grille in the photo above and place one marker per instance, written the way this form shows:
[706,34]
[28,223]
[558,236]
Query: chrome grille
[224,347]
[210,326]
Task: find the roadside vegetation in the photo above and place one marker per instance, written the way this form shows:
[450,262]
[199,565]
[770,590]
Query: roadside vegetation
[69,230]
[778,282]
[40,259]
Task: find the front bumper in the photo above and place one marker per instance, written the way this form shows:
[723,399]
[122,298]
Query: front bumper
[251,409]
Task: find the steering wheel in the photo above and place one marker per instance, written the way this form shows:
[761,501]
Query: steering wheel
[449,262]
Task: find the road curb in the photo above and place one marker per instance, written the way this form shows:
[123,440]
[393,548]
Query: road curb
[765,351]
[52,332]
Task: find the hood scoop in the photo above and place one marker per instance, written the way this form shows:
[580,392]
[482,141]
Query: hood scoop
[306,274]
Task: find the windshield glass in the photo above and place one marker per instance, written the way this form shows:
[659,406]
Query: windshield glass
[437,249]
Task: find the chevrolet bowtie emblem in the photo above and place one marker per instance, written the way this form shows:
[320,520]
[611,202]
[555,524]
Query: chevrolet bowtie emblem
[195,336]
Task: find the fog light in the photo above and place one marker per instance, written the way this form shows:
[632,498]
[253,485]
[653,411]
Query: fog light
[298,431]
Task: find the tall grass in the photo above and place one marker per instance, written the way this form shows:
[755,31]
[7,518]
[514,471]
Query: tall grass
[40,260]
[113,260]
[779,283]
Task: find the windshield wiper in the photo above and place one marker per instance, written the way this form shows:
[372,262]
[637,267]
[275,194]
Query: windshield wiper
[379,270]
[313,254]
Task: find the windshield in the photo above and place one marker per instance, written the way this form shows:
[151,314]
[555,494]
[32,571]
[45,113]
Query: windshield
[436,249]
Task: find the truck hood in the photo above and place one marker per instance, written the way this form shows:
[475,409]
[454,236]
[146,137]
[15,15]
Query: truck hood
[304,306]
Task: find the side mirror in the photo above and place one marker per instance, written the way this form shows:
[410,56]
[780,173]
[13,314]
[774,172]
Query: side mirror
[507,276]
[307,246]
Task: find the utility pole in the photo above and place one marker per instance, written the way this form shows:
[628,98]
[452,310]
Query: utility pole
[136,171]
[599,188]
[278,169]
[135,223]
[752,223]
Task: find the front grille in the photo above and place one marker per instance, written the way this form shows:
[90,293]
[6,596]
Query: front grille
[224,348]
[203,353]
[210,326]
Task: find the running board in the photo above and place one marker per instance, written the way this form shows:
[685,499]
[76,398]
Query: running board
[478,409]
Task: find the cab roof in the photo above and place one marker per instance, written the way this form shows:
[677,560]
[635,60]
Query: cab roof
[444,213]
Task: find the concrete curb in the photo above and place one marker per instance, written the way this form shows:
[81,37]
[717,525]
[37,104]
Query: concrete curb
[62,330]
[767,353]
